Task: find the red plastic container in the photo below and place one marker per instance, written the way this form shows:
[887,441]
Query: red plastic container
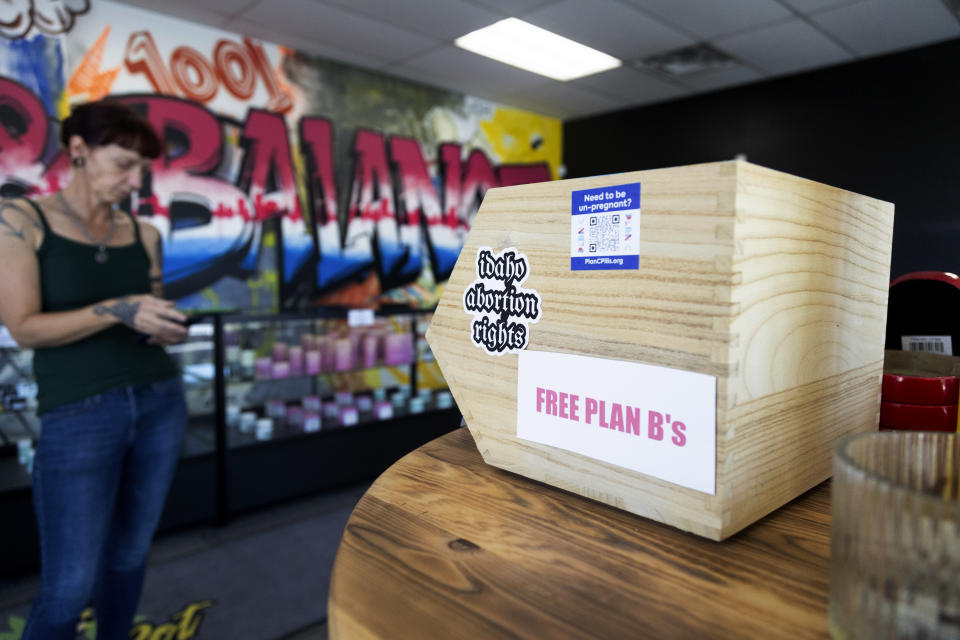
[941,390]
[918,417]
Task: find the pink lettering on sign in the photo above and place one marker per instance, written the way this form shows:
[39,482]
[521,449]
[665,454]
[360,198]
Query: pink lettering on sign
[551,402]
[591,408]
[679,438]
[655,426]
[615,416]
[633,420]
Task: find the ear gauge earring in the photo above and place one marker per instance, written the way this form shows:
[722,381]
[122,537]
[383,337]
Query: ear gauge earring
[77,161]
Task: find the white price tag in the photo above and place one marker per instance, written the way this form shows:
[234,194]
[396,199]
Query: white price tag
[360,317]
[928,344]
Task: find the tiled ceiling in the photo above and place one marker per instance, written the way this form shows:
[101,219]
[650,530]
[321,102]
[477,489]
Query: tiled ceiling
[414,39]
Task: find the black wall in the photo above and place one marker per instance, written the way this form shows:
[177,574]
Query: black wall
[887,127]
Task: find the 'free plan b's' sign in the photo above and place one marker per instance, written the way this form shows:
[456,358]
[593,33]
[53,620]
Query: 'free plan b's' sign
[655,420]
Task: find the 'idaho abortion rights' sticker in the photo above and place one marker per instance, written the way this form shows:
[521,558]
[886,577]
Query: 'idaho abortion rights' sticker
[501,309]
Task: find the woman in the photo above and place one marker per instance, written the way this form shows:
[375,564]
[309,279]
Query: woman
[82,287]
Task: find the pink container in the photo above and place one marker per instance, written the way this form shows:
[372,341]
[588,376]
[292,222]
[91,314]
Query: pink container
[312,360]
[370,350]
[280,351]
[344,355]
[325,345]
[263,369]
[398,349]
[281,369]
[295,357]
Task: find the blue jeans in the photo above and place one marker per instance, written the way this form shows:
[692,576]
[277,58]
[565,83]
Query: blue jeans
[101,474]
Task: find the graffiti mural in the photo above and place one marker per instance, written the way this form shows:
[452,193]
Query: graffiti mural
[286,179]
[53,17]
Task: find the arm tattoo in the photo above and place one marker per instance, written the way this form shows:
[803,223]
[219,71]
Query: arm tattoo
[122,310]
[6,227]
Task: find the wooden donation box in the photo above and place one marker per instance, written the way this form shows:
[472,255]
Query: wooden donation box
[687,344]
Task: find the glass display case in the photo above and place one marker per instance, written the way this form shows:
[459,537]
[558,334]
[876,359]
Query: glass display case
[195,358]
[288,375]
[313,400]
[280,406]
[19,425]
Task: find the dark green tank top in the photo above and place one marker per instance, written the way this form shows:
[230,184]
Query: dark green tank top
[70,278]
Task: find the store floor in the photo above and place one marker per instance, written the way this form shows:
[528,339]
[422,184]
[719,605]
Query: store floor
[265,576]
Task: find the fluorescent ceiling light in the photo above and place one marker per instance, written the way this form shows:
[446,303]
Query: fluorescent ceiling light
[523,45]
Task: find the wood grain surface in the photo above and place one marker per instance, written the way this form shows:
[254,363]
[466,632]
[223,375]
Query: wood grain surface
[773,284]
[446,546]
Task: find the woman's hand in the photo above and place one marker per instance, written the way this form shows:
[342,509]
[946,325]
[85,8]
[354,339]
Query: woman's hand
[149,315]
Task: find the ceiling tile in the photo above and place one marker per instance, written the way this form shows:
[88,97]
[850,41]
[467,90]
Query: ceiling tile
[411,39]
[511,8]
[811,6]
[627,83]
[451,66]
[190,11]
[872,27]
[338,29]
[310,46]
[561,100]
[719,78]
[223,7]
[226,7]
[440,19]
[784,48]
[706,19]
[610,26]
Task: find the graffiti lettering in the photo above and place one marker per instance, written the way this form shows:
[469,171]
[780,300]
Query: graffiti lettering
[183,625]
[220,181]
[54,18]
[193,76]
[234,69]
[478,176]
[142,56]
[267,175]
[420,199]
[280,100]
[206,221]
[372,226]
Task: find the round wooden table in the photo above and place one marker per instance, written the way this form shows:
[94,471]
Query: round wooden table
[445,546]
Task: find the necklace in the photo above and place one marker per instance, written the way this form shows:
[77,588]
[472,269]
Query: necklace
[101,255]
